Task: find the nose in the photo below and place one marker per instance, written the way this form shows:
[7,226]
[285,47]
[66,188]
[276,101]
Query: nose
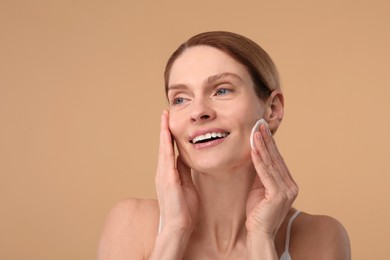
[202,111]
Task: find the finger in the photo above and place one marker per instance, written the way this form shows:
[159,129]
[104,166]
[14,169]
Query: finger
[161,163]
[270,166]
[166,160]
[282,175]
[262,167]
[276,158]
[166,141]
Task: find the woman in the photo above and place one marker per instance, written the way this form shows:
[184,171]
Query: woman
[220,198]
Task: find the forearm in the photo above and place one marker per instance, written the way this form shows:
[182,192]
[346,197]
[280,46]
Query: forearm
[170,246]
[261,248]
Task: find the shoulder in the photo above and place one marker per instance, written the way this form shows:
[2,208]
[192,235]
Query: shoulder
[133,208]
[129,230]
[319,237]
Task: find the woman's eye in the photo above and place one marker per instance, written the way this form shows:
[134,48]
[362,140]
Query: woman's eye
[222,91]
[177,101]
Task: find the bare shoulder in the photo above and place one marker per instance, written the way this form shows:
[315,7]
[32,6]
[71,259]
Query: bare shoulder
[129,230]
[319,237]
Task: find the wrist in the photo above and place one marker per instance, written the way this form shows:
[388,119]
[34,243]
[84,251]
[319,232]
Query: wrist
[176,231]
[182,235]
[170,244]
[260,236]
[261,246]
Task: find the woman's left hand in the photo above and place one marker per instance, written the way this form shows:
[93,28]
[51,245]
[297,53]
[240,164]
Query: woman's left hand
[273,190]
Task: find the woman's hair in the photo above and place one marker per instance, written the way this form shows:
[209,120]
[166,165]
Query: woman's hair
[245,51]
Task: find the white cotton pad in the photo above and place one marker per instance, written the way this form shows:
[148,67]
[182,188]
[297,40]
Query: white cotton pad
[255,129]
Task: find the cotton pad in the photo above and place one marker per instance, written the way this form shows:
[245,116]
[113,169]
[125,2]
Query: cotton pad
[255,129]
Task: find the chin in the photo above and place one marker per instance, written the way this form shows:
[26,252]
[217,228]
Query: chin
[215,163]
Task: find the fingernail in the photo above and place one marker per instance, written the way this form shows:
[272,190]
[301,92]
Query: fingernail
[269,132]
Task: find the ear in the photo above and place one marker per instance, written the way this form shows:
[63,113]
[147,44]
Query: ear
[275,110]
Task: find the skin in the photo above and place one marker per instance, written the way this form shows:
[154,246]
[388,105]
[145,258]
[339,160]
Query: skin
[220,201]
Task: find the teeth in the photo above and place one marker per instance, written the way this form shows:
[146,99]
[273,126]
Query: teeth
[208,136]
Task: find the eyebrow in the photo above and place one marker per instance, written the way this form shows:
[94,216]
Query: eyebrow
[217,77]
[209,80]
[177,86]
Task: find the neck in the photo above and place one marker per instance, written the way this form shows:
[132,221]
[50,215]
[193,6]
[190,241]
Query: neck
[223,196]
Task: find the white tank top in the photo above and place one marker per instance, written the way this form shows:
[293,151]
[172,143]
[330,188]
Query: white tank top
[286,254]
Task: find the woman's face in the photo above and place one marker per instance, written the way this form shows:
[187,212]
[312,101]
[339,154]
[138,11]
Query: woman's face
[213,107]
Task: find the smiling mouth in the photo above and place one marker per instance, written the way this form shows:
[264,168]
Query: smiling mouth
[209,137]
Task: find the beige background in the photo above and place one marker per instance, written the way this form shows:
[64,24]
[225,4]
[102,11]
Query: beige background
[81,92]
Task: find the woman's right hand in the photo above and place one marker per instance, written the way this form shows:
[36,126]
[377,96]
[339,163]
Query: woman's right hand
[177,197]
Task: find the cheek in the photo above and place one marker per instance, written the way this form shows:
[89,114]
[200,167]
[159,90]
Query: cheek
[246,116]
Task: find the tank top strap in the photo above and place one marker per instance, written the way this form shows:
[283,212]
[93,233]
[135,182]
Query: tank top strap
[286,253]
